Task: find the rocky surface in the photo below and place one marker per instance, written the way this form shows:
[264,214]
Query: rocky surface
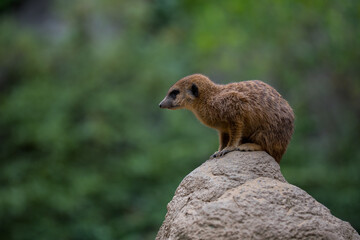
[243,195]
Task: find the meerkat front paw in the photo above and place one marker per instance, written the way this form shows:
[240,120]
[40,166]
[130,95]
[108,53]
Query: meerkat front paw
[215,155]
[223,152]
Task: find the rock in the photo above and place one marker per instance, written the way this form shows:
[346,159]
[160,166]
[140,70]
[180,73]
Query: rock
[243,195]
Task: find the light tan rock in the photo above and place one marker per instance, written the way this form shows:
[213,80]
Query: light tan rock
[243,195]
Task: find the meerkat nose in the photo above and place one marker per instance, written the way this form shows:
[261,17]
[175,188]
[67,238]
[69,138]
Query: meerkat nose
[160,105]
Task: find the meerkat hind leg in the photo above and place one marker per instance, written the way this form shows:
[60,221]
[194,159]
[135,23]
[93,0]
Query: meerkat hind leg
[250,147]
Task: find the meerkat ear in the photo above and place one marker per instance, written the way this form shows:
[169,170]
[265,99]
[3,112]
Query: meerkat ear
[194,90]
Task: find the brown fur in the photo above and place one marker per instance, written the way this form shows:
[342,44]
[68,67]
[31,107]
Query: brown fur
[249,115]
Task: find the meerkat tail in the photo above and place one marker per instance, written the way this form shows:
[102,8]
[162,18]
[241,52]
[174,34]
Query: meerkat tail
[250,147]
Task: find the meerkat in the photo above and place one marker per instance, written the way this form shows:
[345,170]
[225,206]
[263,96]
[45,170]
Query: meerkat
[248,115]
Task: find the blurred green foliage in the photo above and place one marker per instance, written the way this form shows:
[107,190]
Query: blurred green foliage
[85,151]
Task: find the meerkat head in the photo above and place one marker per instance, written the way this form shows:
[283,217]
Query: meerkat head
[181,95]
[187,92]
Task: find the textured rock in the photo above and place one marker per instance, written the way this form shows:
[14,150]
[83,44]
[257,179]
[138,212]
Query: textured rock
[244,196]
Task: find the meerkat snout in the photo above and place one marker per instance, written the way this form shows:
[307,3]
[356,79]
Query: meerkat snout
[169,101]
[166,103]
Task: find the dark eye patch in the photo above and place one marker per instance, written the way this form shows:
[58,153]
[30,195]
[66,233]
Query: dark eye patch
[173,93]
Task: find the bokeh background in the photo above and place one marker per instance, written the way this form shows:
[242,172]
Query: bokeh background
[85,151]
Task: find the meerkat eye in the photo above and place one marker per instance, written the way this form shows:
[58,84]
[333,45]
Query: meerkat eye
[173,93]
